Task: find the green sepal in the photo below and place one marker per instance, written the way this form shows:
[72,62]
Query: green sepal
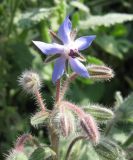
[39,118]
[17,155]
[101,114]
[51,58]
[109,150]
[55,38]
[42,153]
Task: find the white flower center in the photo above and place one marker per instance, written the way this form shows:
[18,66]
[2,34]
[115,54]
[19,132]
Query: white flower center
[69,49]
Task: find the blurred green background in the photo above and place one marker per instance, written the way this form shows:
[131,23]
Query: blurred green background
[22,21]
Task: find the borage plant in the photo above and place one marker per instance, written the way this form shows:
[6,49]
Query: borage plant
[66,119]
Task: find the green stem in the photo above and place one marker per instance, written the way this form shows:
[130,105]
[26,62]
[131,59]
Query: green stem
[66,84]
[57,98]
[53,135]
[54,142]
[71,146]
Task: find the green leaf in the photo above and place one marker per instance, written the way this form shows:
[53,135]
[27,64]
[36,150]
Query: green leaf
[42,153]
[80,6]
[75,19]
[125,110]
[110,45]
[94,60]
[118,99]
[105,20]
[34,16]
[100,113]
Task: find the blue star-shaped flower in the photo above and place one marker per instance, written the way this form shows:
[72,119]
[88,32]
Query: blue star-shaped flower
[68,50]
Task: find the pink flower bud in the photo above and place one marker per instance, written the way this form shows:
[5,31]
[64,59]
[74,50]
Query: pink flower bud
[90,127]
[63,121]
[87,121]
[66,122]
[21,141]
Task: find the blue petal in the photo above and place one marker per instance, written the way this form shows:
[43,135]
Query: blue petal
[58,69]
[78,67]
[84,42]
[64,30]
[49,49]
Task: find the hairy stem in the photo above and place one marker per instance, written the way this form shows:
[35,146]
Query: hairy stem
[40,100]
[66,83]
[54,142]
[57,98]
[53,136]
[71,146]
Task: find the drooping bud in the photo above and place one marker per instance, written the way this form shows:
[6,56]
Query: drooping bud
[19,146]
[90,127]
[30,81]
[67,123]
[18,152]
[74,108]
[100,72]
[87,122]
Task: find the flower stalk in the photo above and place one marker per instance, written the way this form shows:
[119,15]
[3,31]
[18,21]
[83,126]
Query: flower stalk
[57,98]
[72,144]
[40,100]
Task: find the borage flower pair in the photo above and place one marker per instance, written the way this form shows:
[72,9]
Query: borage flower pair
[67,50]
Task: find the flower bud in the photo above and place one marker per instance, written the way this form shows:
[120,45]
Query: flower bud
[100,72]
[19,146]
[67,123]
[30,81]
[18,152]
[63,121]
[16,155]
[90,127]
[87,122]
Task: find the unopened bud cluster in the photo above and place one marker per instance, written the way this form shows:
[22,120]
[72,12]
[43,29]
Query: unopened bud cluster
[87,122]
[30,81]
